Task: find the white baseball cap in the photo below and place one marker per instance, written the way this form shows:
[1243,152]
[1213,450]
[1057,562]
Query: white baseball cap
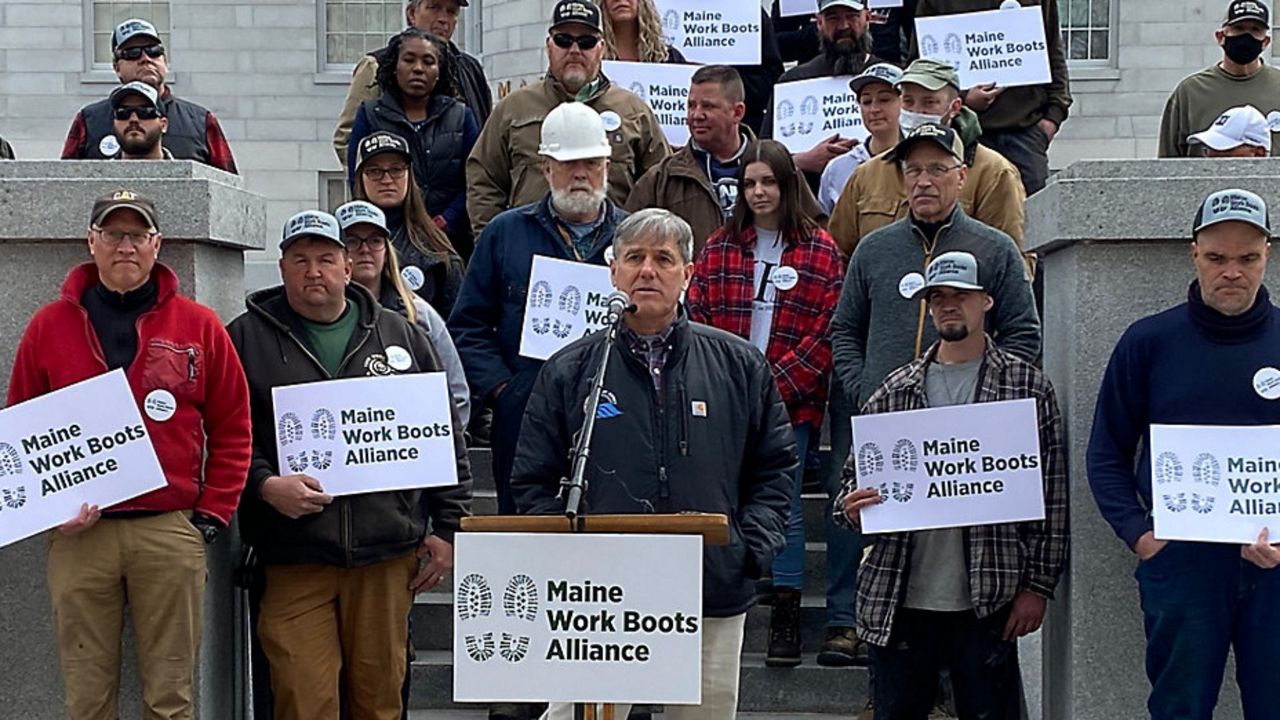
[313,223]
[132,28]
[359,211]
[1243,125]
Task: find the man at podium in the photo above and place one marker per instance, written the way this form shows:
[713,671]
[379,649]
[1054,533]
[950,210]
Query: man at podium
[689,420]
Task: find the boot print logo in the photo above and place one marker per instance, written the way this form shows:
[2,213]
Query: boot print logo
[905,457]
[324,428]
[1206,476]
[13,498]
[474,603]
[870,459]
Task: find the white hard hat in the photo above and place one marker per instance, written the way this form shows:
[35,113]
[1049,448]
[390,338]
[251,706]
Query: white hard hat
[573,131]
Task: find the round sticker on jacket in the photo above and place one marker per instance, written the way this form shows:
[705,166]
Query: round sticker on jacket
[910,284]
[412,276]
[1266,382]
[109,146]
[159,405]
[611,120]
[398,357]
[784,277]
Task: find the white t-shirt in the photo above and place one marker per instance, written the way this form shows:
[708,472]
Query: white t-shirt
[837,173]
[768,255]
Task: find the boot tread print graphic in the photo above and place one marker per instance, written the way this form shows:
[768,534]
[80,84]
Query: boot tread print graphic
[475,599]
[1206,470]
[512,648]
[10,460]
[570,300]
[297,463]
[905,458]
[321,460]
[1176,502]
[324,426]
[870,459]
[14,498]
[1167,468]
[540,295]
[521,598]
[479,648]
[902,491]
[289,429]
[1202,504]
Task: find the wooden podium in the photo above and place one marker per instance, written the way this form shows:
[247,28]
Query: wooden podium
[713,528]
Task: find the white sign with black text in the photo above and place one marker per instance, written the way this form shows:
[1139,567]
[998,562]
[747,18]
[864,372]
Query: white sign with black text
[807,111]
[1006,47]
[84,443]
[663,86]
[955,466]
[566,300]
[1215,483]
[725,32]
[369,434]
[577,618]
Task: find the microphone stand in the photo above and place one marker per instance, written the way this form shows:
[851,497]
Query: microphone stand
[575,486]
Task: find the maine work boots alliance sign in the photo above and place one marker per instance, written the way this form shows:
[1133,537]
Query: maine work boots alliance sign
[577,618]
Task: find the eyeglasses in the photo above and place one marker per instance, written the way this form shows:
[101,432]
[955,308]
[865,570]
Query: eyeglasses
[133,53]
[935,170]
[143,112]
[565,41]
[115,237]
[397,172]
[375,242]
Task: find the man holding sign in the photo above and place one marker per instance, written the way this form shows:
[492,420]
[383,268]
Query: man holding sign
[340,572]
[123,311]
[959,596]
[1208,361]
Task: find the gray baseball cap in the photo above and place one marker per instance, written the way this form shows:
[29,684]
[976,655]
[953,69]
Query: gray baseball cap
[954,270]
[1233,204]
[885,73]
[132,28]
[359,211]
[314,223]
[851,4]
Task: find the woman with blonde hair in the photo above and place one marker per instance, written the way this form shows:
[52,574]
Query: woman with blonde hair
[633,32]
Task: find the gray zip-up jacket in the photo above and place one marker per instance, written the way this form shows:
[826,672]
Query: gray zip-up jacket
[876,329]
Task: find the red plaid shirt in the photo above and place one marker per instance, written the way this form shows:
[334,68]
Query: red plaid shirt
[799,349]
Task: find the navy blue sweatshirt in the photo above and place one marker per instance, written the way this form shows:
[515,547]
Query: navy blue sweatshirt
[1189,365]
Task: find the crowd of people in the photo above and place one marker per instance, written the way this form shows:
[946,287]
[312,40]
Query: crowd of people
[773,293]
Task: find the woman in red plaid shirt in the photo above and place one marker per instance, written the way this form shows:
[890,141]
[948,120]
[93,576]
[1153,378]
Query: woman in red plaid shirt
[772,276]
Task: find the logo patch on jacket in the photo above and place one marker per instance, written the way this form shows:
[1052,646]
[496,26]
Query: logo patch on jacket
[376,364]
[608,407]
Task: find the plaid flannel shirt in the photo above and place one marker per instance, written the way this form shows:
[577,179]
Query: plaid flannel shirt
[799,349]
[1003,559]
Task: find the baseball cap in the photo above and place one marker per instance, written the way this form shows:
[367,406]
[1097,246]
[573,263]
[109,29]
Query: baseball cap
[1233,204]
[379,143]
[314,223]
[147,92]
[130,29]
[930,74]
[954,270]
[1243,125]
[851,4]
[880,72]
[584,12]
[124,199]
[941,135]
[1241,10]
[359,211]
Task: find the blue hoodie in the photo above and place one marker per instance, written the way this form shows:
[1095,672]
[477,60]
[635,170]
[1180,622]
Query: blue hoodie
[1189,365]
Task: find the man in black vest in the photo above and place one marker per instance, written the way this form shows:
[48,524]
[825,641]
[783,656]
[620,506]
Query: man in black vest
[139,55]
[440,18]
[139,122]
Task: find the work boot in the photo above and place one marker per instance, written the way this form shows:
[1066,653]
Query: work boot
[784,629]
[842,648]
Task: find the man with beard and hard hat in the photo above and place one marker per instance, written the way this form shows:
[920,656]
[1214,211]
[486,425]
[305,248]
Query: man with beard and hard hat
[139,122]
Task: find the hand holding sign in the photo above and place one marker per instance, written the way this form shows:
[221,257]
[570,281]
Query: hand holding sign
[980,97]
[1262,553]
[294,495]
[860,498]
[815,159]
[88,517]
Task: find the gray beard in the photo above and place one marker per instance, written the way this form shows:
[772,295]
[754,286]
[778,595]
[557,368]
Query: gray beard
[577,203]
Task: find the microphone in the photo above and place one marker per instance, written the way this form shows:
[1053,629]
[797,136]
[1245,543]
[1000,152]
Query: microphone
[619,304]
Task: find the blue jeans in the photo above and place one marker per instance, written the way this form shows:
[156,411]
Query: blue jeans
[844,546]
[1198,600]
[788,567]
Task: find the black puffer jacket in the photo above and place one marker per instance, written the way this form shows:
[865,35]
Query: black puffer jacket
[719,442]
[355,530]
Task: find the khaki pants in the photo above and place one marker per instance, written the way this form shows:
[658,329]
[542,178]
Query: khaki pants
[721,661]
[325,627]
[156,565]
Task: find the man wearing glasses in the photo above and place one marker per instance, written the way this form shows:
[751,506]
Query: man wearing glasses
[123,311]
[504,168]
[139,55]
[139,122]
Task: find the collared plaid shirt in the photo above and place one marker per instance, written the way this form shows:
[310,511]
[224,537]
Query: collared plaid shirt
[652,350]
[799,350]
[1003,559]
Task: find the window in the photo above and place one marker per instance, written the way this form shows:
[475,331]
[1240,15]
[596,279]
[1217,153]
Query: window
[109,13]
[1086,30]
[333,189]
[350,29]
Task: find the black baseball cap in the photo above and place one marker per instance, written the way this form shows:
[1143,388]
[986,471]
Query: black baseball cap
[379,143]
[583,12]
[1242,10]
[124,199]
[941,135]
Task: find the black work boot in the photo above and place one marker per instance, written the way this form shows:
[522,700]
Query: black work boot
[784,629]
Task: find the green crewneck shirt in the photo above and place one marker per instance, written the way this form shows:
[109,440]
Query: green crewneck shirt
[330,340]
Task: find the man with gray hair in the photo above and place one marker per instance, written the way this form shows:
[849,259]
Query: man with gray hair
[700,427]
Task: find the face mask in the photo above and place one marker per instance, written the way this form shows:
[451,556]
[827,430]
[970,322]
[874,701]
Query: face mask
[1242,49]
[909,120]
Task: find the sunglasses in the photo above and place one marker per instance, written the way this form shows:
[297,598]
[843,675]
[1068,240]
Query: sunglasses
[566,41]
[142,111]
[133,53]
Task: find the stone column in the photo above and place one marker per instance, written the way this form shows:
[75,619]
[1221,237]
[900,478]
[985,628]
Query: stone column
[208,220]
[1114,237]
